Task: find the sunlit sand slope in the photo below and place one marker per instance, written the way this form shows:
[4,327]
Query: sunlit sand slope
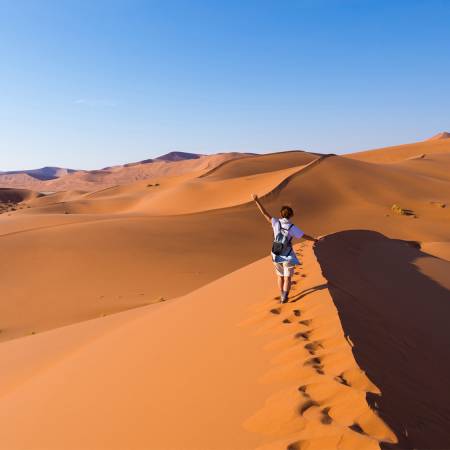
[401,152]
[224,367]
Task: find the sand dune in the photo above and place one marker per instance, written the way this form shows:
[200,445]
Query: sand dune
[12,200]
[16,195]
[91,180]
[44,173]
[118,253]
[260,164]
[401,152]
[439,136]
[139,365]
[76,256]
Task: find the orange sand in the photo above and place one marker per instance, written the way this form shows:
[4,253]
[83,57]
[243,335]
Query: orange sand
[199,354]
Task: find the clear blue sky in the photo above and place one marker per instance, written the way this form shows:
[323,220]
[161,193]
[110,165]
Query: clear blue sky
[86,84]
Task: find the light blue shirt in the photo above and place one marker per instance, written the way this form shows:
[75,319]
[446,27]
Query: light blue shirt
[294,232]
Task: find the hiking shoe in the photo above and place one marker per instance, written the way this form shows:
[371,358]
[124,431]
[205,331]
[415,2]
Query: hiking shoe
[283,300]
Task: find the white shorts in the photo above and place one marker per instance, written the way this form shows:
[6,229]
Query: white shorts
[284,269]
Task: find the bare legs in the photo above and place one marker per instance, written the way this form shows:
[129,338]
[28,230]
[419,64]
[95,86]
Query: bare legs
[287,284]
[280,283]
[284,284]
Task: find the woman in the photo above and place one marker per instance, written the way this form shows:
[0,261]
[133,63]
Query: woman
[283,255]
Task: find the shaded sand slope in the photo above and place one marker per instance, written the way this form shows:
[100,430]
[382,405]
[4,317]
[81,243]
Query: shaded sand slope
[15,195]
[394,303]
[222,368]
[401,152]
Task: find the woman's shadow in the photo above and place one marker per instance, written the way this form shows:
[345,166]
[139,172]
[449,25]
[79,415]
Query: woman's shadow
[299,296]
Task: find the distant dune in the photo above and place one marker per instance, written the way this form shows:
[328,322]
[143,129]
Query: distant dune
[44,173]
[178,156]
[437,144]
[439,136]
[147,289]
[174,163]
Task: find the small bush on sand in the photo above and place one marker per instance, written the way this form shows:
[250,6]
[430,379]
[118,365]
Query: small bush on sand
[402,211]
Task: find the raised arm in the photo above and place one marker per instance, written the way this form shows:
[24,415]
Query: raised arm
[261,208]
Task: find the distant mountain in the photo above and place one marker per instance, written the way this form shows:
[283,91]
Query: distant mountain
[43,174]
[178,156]
[439,136]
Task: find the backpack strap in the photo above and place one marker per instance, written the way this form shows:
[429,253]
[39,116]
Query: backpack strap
[285,229]
[290,239]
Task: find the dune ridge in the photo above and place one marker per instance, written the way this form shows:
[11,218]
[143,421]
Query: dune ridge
[323,400]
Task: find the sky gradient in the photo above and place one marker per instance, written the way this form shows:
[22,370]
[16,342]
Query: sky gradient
[87,84]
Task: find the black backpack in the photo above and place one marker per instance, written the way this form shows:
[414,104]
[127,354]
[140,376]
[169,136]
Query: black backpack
[282,243]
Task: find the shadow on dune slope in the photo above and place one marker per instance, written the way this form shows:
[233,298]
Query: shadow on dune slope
[394,304]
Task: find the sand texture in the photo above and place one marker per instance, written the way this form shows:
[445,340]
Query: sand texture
[139,309]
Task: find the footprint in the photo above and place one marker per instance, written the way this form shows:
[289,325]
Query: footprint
[275,310]
[286,321]
[316,363]
[340,379]
[305,406]
[297,312]
[305,322]
[303,335]
[302,390]
[357,428]
[312,347]
[326,419]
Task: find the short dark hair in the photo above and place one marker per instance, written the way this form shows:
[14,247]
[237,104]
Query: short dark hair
[287,212]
